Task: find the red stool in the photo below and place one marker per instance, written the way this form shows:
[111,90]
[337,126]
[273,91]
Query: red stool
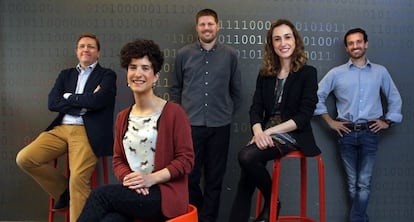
[303,190]
[94,183]
[190,216]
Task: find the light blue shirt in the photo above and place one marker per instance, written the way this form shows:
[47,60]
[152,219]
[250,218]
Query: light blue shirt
[80,86]
[357,93]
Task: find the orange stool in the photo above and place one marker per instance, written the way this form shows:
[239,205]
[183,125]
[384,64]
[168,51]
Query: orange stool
[94,183]
[303,190]
[190,216]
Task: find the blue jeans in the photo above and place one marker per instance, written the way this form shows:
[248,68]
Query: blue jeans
[358,152]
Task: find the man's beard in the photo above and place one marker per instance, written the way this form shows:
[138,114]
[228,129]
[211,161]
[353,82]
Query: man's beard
[208,40]
[358,55]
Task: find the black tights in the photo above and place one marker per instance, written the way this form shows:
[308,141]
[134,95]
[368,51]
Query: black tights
[254,174]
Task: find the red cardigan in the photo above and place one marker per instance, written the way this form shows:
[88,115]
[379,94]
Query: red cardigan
[174,151]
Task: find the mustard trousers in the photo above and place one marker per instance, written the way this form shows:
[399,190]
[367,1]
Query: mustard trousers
[35,159]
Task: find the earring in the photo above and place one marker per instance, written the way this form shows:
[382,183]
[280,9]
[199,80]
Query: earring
[154,84]
[128,85]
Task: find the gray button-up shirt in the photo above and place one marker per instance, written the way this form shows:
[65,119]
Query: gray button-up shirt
[207,84]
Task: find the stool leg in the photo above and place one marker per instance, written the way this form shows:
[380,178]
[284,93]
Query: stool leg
[258,203]
[50,217]
[52,201]
[95,174]
[303,186]
[321,173]
[67,217]
[275,191]
[94,178]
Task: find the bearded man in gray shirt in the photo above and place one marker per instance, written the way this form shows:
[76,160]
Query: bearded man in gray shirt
[206,82]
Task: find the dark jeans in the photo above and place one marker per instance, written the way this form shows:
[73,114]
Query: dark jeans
[358,152]
[118,203]
[211,145]
[254,174]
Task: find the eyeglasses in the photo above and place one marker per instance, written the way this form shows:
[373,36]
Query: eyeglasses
[89,46]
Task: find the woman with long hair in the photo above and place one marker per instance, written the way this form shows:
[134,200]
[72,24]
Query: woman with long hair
[283,105]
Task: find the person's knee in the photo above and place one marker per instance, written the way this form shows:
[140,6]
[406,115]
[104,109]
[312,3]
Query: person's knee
[364,185]
[244,158]
[22,160]
[79,178]
[100,193]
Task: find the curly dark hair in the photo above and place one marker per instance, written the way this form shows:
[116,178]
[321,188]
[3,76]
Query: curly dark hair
[139,49]
[271,64]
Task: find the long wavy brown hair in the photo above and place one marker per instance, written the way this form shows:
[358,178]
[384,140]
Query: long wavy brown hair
[271,63]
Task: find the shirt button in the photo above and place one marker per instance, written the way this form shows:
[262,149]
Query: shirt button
[206,94]
[206,73]
[206,62]
[206,83]
[205,104]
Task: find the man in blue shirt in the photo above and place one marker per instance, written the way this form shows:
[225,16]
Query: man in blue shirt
[357,86]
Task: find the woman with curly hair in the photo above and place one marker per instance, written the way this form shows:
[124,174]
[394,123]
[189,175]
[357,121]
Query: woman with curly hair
[283,105]
[153,150]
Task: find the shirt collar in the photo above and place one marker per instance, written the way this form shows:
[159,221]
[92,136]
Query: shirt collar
[89,68]
[211,50]
[367,64]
